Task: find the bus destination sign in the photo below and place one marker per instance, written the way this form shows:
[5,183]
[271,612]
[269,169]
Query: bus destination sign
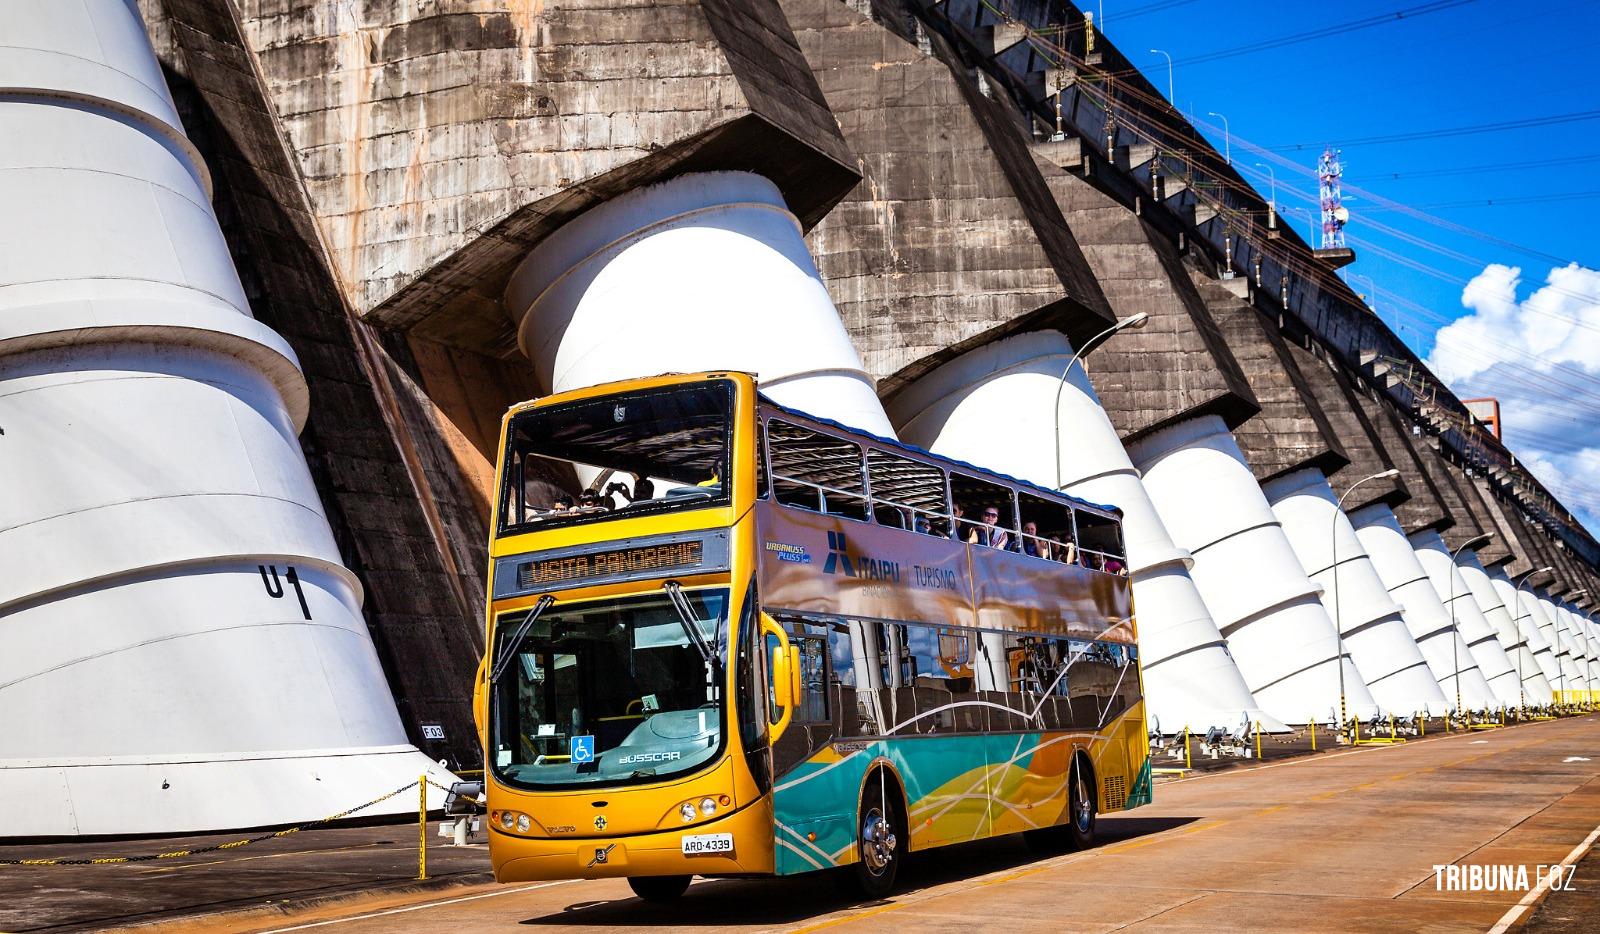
[623,562]
[627,559]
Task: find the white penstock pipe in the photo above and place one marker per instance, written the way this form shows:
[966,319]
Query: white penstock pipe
[184,650]
[996,406]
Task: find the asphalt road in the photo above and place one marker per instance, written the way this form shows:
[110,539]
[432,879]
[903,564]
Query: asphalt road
[1345,841]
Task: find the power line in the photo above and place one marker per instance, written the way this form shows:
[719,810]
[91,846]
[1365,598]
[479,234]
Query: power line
[1553,119]
[1476,169]
[1149,8]
[1495,202]
[1351,26]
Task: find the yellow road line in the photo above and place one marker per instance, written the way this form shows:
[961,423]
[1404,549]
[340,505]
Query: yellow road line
[421,907]
[245,859]
[832,922]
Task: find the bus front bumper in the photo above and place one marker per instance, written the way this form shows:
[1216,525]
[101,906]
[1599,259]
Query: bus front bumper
[524,859]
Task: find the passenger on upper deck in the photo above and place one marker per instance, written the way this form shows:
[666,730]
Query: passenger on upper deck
[989,533]
[1033,545]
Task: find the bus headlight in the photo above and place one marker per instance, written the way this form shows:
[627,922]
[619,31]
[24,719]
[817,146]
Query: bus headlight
[512,819]
[708,807]
[686,811]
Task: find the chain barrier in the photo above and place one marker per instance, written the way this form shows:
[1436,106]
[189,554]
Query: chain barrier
[149,857]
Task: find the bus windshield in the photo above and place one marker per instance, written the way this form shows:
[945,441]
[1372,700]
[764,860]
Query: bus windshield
[609,692]
[634,453]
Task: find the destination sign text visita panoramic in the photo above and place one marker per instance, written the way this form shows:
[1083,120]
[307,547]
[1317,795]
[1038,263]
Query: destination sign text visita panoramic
[623,561]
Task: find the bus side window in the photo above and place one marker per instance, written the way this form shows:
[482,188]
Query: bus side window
[851,671]
[763,486]
[752,729]
[944,683]
[813,645]
[992,673]
[897,671]
[1047,530]
[975,501]
[817,472]
[1100,541]
[1092,683]
[1116,700]
[907,494]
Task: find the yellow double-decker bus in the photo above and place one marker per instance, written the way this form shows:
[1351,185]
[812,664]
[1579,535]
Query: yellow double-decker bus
[727,638]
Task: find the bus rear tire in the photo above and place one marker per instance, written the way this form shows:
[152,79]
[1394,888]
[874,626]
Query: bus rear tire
[1081,806]
[881,842]
[658,888]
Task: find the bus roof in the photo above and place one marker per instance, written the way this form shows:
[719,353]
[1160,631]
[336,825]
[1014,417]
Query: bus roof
[664,379]
[911,448]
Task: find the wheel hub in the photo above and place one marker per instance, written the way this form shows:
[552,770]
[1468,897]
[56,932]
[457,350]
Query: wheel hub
[1085,810]
[878,841]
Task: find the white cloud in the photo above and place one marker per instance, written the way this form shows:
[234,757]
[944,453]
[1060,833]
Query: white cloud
[1540,356]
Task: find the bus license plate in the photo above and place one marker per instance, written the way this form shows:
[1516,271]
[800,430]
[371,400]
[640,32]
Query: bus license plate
[702,843]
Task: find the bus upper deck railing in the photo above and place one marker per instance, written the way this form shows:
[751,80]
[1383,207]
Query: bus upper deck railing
[936,523]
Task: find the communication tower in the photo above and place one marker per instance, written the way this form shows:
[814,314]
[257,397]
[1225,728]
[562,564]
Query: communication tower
[1334,214]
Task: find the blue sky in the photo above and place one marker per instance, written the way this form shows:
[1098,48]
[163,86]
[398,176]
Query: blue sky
[1524,337]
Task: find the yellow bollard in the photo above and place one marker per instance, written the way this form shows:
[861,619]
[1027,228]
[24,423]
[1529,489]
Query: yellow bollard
[422,826]
[1422,724]
[1391,726]
[1258,740]
[1186,763]
[1313,734]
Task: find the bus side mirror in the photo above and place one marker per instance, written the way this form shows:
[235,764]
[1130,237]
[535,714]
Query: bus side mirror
[480,701]
[784,672]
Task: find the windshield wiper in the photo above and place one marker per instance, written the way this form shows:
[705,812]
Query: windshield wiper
[691,625]
[515,642]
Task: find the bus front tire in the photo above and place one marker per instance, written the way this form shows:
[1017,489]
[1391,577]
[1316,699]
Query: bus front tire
[658,888]
[881,841]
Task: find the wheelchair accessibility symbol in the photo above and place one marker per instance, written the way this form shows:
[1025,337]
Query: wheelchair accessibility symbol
[582,749]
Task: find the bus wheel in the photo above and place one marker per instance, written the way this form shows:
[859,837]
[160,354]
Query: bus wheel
[882,841]
[658,888]
[1080,805]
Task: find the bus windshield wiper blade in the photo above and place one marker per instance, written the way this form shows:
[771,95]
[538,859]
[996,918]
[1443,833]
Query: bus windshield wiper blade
[691,626]
[515,642]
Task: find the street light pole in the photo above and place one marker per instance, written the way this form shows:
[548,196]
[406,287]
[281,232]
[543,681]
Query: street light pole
[1227,138]
[1171,97]
[1455,647]
[1578,634]
[1338,601]
[1132,321]
[1517,594]
[1273,178]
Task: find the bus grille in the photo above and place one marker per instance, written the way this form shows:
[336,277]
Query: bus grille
[1114,794]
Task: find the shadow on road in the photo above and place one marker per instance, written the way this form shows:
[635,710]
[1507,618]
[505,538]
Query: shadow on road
[785,901]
